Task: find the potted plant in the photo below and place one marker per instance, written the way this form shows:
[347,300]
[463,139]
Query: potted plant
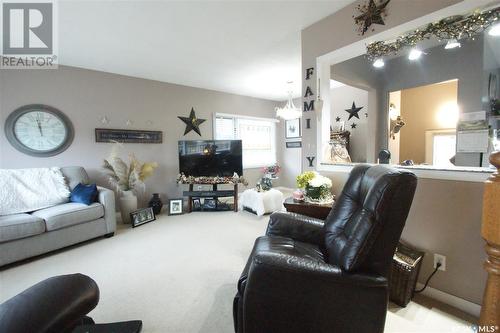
[126,179]
[316,188]
[271,171]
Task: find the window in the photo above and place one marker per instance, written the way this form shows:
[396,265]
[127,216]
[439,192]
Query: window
[258,137]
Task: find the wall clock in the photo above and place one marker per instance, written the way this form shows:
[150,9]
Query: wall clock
[39,130]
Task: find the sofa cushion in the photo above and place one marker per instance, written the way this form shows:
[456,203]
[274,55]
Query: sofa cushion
[20,226]
[68,214]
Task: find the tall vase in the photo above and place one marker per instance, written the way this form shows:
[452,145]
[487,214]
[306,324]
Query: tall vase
[128,203]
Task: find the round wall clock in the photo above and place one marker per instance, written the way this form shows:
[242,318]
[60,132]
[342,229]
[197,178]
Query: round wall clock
[39,130]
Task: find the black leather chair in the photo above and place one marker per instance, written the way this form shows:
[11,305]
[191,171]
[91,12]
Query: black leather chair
[57,305]
[309,275]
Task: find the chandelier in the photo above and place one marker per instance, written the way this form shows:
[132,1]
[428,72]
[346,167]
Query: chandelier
[289,111]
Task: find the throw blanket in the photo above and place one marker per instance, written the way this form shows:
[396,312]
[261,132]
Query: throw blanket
[27,190]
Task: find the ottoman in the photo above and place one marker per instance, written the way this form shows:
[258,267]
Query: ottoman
[261,203]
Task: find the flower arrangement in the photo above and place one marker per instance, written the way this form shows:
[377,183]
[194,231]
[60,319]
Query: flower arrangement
[235,179]
[127,177]
[272,170]
[316,187]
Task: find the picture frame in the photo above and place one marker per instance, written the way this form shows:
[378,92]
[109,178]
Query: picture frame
[175,206]
[196,204]
[142,216]
[209,203]
[292,128]
[294,144]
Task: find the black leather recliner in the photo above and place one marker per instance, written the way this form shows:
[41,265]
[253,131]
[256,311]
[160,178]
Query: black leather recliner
[309,275]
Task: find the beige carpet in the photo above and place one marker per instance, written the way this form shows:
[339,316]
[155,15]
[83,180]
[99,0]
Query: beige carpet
[179,273]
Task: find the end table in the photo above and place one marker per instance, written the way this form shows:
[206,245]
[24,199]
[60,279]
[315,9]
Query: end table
[308,209]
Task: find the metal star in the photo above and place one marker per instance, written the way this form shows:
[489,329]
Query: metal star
[337,119]
[372,15]
[353,125]
[353,111]
[192,123]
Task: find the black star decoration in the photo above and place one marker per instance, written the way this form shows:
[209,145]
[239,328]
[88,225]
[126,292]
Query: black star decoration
[372,15]
[353,125]
[192,123]
[337,119]
[353,111]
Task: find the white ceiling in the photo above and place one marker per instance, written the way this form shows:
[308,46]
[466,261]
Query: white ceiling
[244,47]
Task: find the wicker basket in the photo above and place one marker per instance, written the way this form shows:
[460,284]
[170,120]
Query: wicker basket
[404,273]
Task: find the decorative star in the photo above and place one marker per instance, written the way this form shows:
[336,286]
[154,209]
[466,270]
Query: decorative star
[337,119]
[353,125]
[353,111]
[371,14]
[192,123]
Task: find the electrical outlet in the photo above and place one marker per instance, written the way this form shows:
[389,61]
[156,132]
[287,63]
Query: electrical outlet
[439,258]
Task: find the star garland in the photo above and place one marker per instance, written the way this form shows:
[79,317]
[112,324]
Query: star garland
[453,27]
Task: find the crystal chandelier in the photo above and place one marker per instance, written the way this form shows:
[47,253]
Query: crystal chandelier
[289,111]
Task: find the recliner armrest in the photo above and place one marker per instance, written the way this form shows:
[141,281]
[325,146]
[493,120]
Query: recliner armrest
[53,305]
[107,199]
[285,293]
[299,227]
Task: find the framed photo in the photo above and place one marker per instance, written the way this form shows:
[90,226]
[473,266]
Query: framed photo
[294,144]
[292,128]
[209,203]
[175,206]
[196,204]
[142,216]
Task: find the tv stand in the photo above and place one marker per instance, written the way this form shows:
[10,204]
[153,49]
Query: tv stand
[214,193]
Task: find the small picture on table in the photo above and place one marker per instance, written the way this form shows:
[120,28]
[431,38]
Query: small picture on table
[196,204]
[175,207]
[142,216]
[209,203]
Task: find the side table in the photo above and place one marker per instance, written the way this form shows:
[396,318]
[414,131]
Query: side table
[308,209]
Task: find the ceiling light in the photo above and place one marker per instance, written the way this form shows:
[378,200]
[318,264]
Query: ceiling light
[414,54]
[289,111]
[379,63]
[495,30]
[452,44]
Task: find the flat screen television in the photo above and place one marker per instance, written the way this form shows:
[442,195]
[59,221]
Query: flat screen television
[211,158]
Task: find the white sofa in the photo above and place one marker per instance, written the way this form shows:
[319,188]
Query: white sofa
[27,235]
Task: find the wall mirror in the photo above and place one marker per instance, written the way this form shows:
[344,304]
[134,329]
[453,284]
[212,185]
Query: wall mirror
[435,105]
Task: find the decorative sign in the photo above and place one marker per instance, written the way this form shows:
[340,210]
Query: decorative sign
[294,144]
[311,160]
[128,136]
[309,105]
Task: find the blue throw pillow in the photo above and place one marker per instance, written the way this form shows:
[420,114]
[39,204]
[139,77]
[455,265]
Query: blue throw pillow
[85,194]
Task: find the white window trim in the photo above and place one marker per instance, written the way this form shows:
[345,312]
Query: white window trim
[274,134]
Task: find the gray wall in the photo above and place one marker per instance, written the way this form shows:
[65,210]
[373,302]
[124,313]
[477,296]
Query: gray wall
[85,95]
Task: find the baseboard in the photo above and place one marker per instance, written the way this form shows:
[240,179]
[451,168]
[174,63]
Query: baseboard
[457,302]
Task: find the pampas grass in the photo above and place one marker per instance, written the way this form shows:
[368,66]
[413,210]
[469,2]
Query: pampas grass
[127,177]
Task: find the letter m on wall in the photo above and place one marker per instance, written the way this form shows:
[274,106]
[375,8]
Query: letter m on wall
[309,106]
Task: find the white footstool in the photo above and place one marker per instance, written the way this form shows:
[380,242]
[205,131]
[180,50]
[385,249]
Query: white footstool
[261,202]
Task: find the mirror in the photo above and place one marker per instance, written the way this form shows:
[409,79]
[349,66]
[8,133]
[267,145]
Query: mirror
[437,106]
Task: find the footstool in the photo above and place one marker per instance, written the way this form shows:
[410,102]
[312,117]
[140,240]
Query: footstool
[261,203]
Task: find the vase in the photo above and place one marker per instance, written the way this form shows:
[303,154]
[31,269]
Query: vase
[156,203]
[128,204]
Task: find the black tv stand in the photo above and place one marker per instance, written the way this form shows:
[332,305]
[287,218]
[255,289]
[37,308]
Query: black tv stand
[214,193]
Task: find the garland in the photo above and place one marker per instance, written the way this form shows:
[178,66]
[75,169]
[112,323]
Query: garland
[453,27]
[235,179]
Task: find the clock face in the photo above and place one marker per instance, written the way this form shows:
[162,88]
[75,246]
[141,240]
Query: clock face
[40,130]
